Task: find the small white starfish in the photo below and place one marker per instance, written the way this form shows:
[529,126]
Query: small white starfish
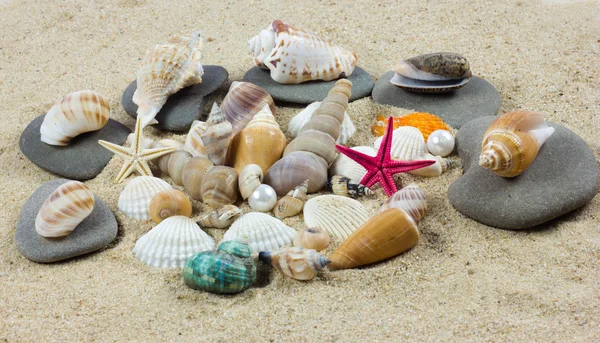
[135,156]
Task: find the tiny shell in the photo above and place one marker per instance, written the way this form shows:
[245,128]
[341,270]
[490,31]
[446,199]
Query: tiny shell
[312,238]
[343,165]
[221,217]
[251,177]
[193,142]
[297,263]
[135,198]
[217,136]
[193,174]
[169,203]
[338,215]
[242,102]
[341,185]
[220,186]
[345,132]
[292,204]
[264,233]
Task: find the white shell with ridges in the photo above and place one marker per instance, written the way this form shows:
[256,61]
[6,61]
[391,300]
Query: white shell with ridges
[338,215]
[136,196]
[264,233]
[407,144]
[344,165]
[347,129]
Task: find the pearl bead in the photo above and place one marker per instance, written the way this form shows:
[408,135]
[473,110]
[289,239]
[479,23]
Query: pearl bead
[263,199]
[440,143]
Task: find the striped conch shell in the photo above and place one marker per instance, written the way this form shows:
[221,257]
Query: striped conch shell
[297,263]
[217,136]
[512,142]
[193,141]
[76,113]
[242,102]
[64,209]
[296,56]
[165,70]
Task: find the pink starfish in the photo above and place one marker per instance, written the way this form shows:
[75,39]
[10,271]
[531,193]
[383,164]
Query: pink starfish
[381,168]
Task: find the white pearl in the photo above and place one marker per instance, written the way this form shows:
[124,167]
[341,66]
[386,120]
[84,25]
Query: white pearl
[263,199]
[440,143]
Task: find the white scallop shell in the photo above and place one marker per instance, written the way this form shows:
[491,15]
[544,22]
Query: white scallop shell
[136,196]
[172,242]
[338,215]
[344,165]
[347,129]
[264,233]
[193,142]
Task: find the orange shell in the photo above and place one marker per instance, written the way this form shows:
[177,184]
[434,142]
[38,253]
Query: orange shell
[425,122]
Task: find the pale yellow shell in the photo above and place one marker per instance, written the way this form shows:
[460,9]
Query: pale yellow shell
[193,174]
[292,204]
[338,215]
[193,142]
[217,136]
[312,238]
[251,177]
[220,186]
[169,203]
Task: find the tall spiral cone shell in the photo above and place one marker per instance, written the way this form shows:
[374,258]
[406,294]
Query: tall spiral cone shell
[217,136]
[512,142]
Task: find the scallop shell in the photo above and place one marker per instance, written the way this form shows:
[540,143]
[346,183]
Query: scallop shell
[338,215]
[296,56]
[264,233]
[343,165]
[345,132]
[64,209]
[250,178]
[76,113]
[410,199]
[217,136]
[312,238]
[169,203]
[292,204]
[172,242]
[220,186]
[293,169]
[242,102]
[297,263]
[407,144]
[193,174]
[165,70]
[221,217]
[193,142]
[137,194]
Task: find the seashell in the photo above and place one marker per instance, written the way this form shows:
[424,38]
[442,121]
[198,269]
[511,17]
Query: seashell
[338,215]
[411,199]
[293,169]
[292,204]
[441,165]
[192,175]
[135,198]
[171,143]
[297,263]
[217,136]
[172,242]
[169,203]
[512,142]
[227,270]
[345,166]
[312,238]
[407,144]
[341,185]
[165,70]
[264,233]
[425,122]
[242,102]
[251,177]
[340,133]
[173,164]
[296,56]
[432,73]
[193,141]
[220,186]
[64,209]
[76,113]
[221,217]
[316,142]
[149,143]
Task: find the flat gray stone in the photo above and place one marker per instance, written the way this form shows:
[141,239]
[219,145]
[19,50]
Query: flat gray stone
[563,177]
[183,107]
[478,98]
[308,92]
[93,233]
[82,159]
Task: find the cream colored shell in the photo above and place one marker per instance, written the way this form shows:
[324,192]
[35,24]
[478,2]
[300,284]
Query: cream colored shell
[264,233]
[347,129]
[344,165]
[135,198]
[193,142]
[338,215]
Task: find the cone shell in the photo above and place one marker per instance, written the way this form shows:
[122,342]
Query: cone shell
[172,242]
[221,217]
[165,70]
[76,113]
[264,233]
[297,263]
[251,177]
[192,175]
[342,185]
[242,102]
[193,142]
[411,199]
[338,215]
[344,165]
[293,169]
[217,136]
[292,204]
[316,142]
[64,209]
[341,133]
[135,198]
[220,186]
[425,122]
[312,238]
[439,66]
[169,203]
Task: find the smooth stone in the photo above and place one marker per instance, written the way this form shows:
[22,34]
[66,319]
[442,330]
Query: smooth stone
[563,177]
[308,92]
[478,98]
[183,107]
[82,159]
[93,233]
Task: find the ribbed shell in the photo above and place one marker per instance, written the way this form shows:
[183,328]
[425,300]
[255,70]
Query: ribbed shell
[338,215]
[411,199]
[76,113]
[135,198]
[264,233]
[343,165]
[425,122]
[242,102]
[193,142]
[172,242]
[345,132]
[407,144]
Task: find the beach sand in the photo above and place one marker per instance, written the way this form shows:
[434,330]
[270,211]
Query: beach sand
[464,282]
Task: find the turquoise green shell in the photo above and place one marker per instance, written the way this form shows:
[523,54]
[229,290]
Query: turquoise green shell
[236,248]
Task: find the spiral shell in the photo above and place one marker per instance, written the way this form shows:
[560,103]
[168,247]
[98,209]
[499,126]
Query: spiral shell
[217,136]
[76,113]
[411,199]
[169,203]
[293,169]
[242,102]
[292,204]
[341,185]
[221,217]
[312,238]
[338,215]
[220,186]
[326,124]
[192,175]
[264,233]
[173,164]
[297,263]
[316,142]
[135,198]
[251,177]
[344,165]
[64,209]
[193,141]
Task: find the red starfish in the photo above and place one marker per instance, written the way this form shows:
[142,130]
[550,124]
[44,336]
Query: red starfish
[381,168]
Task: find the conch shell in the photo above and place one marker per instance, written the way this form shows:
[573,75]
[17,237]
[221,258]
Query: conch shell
[296,56]
[292,204]
[165,70]
[76,113]
[217,136]
[297,263]
[512,142]
[242,102]
[221,217]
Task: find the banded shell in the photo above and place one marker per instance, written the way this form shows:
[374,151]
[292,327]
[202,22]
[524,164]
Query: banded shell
[342,185]
[297,263]
[312,238]
[343,165]
[193,142]
[411,199]
[217,136]
[316,142]
[294,56]
[64,209]
[294,168]
[169,203]
[76,113]
[242,102]
[220,186]
[425,122]
[338,215]
[173,165]
[250,178]
[165,70]
[292,204]
[264,233]
[432,73]
[192,175]
[221,217]
[135,198]
[340,133]
[172,242]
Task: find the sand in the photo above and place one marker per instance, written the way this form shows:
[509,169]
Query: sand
[464,281]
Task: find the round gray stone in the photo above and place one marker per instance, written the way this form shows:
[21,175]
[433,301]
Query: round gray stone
[93,233]
[183,107]
[563,177]
[308,92]
[82,159]
[478,98]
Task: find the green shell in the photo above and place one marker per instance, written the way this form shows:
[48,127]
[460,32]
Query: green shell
[236,248]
